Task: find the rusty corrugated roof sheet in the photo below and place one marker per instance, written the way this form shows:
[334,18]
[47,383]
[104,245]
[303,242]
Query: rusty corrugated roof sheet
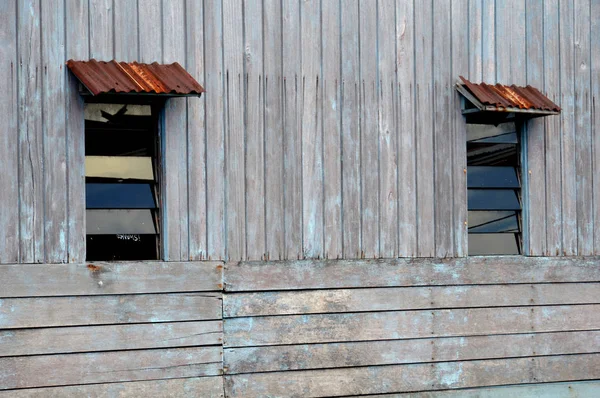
[101,77]
[505,97]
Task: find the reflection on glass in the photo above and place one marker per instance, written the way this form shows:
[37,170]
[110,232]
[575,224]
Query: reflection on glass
[493,222]
[492,155]
[494,244]
[119,196]
[122,247]
[107,222]
[492,177]
[121,167]
[493,199]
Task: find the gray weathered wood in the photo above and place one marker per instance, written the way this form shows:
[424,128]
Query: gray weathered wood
[475,40]
[101,29]
[336,355]
[150,38]
[126,30]
[407,183]
[331,126]
[488,41]
[311,130]
[252,276]
[386,299]
[97,310]
[9,138]
[106,367]
[595,94]
[109,278]
[31,149]
[369,159]
[174,143]
[208,387]
[274,130]
[418,377]
[109,338]
[254,105]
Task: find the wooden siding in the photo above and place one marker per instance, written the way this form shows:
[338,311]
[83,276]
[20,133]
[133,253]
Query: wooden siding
[327,130]
[346,328]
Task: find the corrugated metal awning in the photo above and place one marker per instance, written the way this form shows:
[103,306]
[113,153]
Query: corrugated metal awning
[501,98]
[100,77]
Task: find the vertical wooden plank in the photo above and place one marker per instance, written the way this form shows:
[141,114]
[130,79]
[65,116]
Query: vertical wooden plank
[102,29]
[388,147]
[407,183]
[460,67]
[567,126]
[552,126]
[518,38]
[255,140]
[77,47]
[488,41]
[233,42]
[215,144]
[274,133]
[535,167]
[312,133]
[332,155]
[595,73]
[9,145]
[424,130]
[475,40]
[369,129]
[126,30]
[175,181]
[442,58]
[149,35]
[292,143]
[55,140]
[351,209]
[583,132]
[31,178]
[196,126]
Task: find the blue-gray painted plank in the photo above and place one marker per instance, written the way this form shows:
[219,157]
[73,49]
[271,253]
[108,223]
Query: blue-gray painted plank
[126,30]
[102,30]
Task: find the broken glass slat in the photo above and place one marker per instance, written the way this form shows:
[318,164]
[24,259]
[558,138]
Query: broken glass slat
[483,222]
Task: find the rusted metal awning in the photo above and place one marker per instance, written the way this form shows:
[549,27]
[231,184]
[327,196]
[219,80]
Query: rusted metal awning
[165,80]
[527,101]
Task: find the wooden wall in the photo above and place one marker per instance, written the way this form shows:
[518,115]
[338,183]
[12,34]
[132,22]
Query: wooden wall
[329,129]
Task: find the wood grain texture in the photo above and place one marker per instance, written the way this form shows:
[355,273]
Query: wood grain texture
[475,40]
[174,183]
[595,94]
[293,275]
[386,299]
[109,278]
[31,145]
[62,340]
[488,41]
[90,368]
[407,182]
[369,156]
[418,377]
[196,128]
[98,310]
[393,352]
[101,30]
[150,38]
[9,138]
[126,30]
[326,328]
[193,386]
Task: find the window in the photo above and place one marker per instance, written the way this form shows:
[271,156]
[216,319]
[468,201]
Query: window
[494,189]
[122,169]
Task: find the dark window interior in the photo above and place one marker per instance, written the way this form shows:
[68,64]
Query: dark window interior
[122,182]
[494,189]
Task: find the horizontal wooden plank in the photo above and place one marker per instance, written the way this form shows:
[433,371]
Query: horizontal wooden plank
[416,377]
[106,367]
[107,338]
[209,387]
[325,274]
[324,328]
[407,298]
[394,352]
[98,310]
[34,280]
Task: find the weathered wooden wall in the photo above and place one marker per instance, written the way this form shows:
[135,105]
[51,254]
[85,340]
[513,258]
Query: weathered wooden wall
[329,129]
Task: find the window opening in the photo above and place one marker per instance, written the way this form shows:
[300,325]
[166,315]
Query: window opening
[494,189]
[122,176]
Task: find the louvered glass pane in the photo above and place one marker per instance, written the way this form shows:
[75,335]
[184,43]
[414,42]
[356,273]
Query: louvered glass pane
[485,133]
[108,222]
[119,167]
[121,247]
[119,196]
[493,244]
[483,222]
[493,199]
[492,177]
[492,155]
